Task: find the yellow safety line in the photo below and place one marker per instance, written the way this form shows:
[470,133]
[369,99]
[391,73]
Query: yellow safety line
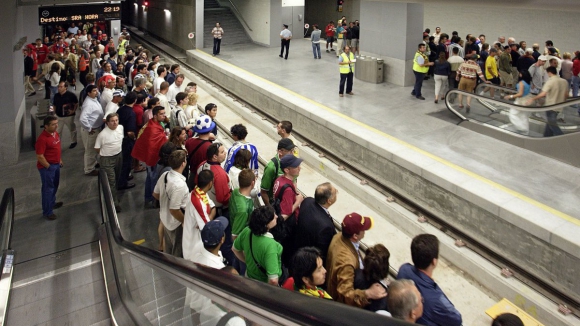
[138,242]
[512,192]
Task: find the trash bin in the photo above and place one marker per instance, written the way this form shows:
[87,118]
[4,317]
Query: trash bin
[369,69]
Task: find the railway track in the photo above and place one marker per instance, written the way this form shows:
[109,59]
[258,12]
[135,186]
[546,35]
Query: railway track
[504,264]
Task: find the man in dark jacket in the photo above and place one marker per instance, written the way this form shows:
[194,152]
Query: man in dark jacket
[315,226]
[437,309]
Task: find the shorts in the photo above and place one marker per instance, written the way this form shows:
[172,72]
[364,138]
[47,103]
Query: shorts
[506,77]
[330,39]
[466,84]
[354,43]
[495,81]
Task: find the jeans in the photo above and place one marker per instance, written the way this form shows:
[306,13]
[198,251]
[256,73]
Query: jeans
[419,76]
[440,85]
[575,86]
[285,44]
[50,179]
[150,182]
[316,50]
[348,79]
[552,128]
[217,42]
[53,90]
[127,148]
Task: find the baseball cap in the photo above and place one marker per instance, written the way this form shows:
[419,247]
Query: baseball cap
[118,93]
[213,231]
[109,78]
[286,144]
[543,58]
[289,161]
[354,223]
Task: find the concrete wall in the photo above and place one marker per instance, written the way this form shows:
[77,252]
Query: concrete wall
[18,22]
[173,27]
[512,228]
[530,25]
[285,15]
[257,15]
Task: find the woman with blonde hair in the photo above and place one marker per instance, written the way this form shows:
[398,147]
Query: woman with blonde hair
[191,111]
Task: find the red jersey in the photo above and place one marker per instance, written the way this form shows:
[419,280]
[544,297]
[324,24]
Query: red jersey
[49,146]
[138,109]
[200,154]
[329,30]
[288,198]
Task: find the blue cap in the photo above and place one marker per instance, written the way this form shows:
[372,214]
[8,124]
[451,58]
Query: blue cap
[213,231]
[289,161]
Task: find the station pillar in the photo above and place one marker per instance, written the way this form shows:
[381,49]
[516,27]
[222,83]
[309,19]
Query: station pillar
[392,31]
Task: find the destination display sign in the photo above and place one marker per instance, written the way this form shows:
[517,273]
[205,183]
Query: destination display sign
[73,14]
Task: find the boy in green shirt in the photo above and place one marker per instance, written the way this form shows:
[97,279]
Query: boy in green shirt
[273,170]
[241,204]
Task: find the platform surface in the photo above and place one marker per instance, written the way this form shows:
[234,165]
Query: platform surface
[422,124]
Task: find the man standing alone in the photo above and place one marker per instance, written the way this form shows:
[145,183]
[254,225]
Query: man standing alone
[286,36]
[346,66]
[315,39]
[49,164]
[218,33]
[420,68]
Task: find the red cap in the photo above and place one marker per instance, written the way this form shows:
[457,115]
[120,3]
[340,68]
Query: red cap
[354,223]
[109,78]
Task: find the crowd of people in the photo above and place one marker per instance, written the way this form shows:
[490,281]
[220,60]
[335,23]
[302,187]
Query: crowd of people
[538,78]
[214,208]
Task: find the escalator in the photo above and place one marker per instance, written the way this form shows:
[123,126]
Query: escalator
[490,116]
[146,287]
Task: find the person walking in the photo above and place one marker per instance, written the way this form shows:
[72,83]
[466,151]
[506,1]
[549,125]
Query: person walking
[218,33]
[442,70]
[48,155]
[421,66]
[346,66]
[286,36]
[315,39]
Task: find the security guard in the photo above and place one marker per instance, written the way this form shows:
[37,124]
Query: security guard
[346,65]
[421,66]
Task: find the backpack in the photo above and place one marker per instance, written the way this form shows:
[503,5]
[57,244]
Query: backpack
[186,171]
[176,117]
[284,228]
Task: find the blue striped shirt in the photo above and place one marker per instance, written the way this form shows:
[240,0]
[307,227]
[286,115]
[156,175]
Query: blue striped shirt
[234,150]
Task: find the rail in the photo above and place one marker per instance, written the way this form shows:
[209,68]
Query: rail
[6,224]
[520,273]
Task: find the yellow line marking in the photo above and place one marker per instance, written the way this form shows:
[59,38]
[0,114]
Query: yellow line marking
[139,242]
[454,166]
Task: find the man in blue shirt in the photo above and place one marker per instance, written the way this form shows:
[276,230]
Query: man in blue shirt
[437,309]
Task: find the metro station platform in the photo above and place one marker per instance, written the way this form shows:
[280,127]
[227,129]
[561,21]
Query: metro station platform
[430,127]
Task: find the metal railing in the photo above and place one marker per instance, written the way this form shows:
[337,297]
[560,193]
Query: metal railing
[239,14]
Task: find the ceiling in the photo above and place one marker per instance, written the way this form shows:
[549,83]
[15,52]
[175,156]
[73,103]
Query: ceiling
[562,5]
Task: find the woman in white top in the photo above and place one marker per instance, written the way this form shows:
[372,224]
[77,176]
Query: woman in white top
[241,161]
[192,111]
[54,77]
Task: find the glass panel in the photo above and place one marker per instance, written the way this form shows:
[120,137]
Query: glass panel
[504,114]
[164,301]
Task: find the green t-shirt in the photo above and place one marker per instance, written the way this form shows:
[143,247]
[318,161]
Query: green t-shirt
[270,176]
[267,251]
[240,209]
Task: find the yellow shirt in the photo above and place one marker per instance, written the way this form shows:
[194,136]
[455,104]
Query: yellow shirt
[490,65]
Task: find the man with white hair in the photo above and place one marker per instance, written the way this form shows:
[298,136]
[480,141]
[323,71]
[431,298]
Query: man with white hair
[405,301]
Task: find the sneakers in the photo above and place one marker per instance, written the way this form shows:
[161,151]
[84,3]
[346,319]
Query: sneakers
[331,49]
[327,51]
[420,97]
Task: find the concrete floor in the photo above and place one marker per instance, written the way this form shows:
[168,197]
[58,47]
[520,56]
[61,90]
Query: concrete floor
[429,126]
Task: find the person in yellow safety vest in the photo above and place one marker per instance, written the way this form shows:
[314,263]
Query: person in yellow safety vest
[421,66]
[121,47]
[346,66]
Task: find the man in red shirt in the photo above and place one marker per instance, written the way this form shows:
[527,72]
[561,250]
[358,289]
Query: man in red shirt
[48,154]
[197,146]
[290,200]
[329,31]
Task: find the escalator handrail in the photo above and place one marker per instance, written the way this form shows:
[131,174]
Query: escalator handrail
[6,219]
[293,307]
[511,105]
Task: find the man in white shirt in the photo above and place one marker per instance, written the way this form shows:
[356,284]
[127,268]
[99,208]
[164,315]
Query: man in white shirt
[107,94]
[285,36]
[113,105]
[108,146]
[199,210]
[172,192]
[175,88]
[161,73]
[91,120]
[95,64]
[180,117]
[162,96]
